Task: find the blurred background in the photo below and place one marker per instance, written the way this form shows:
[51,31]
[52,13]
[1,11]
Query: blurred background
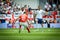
[12,9]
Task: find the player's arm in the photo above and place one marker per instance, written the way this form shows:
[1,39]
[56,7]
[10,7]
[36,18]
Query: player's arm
[28,22]
[35,14]
[17,19]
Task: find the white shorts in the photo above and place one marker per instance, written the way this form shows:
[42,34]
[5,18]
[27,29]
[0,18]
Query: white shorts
[25,24]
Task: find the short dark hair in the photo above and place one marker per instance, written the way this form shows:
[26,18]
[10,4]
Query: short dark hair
[24,12]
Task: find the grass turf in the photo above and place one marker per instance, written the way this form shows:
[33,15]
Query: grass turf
[35,34]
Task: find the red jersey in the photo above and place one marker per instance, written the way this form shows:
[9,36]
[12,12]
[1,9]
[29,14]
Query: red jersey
[23,18]
[8,12]
[54,13]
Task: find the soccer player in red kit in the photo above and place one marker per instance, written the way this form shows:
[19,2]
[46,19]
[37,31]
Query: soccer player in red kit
[23,19]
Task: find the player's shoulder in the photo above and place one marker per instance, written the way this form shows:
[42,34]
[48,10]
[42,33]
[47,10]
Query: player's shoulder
[42,10]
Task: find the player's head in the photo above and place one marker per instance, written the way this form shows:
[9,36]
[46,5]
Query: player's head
[29,9]
[25,6]
[39,7]
[24,13]
[22,8]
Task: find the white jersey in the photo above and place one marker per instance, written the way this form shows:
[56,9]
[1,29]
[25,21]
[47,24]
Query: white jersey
[40,13]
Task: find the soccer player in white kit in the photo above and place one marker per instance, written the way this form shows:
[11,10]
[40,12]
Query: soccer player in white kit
[39,15]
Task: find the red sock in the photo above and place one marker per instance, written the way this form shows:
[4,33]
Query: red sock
[28,29]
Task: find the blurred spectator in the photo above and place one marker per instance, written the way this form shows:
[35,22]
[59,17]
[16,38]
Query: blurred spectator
[50,2]
[54,6]
[5,6]
[18,6]
[26,9]
[54,12]
[8,7]
[9,12]
[30,14]
[9,25]
[22,10]
[12,2]
[59,7]
[54,21]
[47,7]
[51,21]
[0,21]
[1,3]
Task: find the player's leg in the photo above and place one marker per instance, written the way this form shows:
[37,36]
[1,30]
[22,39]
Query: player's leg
[42,25]
[40,21]
[28,29]
[26,26]
[30,25]
[20,27]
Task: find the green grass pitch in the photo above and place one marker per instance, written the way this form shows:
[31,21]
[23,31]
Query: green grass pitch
[35,34]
